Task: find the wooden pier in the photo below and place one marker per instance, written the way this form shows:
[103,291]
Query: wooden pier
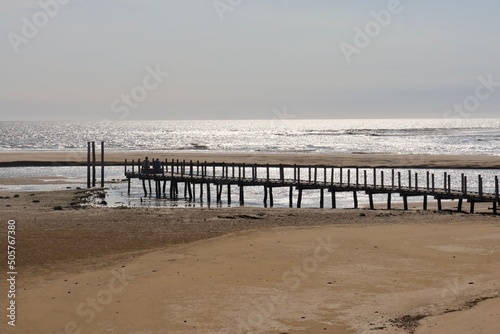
[196,174]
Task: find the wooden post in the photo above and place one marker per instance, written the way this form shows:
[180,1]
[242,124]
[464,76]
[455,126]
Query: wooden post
[472,206]
[128,192]
[144,187]
[309,178]
[382,179]
[299,199]
[366,182]
[267,171]
[150,191]
[374,178]
[416,181]
[355,198]
[228,194]
[348,178]
[449,184]
[357,177]
[445,181]
[334,200]
[89,184]
[93,164]
[315,174]
[425,202]
[133,166]
[465,185]
[341,175]
[321,198]
[271,199]
[480,185]
[496,189]
[428,180]
[392,178]
[324,175]
[208,193]
[370,197]
[294,172]
[409,180]
[405,202]
[201,190]
[242,195]
[440,207]
[433,185]
[213,170]
[332,176]
[389,195]
[298,175]
[265,196]
[460,203]
[399,181]
[290,197]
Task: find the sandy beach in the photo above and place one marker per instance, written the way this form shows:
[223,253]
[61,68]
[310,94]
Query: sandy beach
[250,270]
[36,158]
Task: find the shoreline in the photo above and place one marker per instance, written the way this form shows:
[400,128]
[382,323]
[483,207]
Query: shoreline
[368,160]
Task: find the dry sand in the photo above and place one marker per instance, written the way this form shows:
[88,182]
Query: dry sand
[243,270]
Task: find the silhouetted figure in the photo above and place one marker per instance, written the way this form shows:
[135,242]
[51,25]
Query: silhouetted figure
[146,165]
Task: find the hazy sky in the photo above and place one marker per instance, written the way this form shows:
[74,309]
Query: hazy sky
[242,59]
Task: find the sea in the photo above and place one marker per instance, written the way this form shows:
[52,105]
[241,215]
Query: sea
[357,136]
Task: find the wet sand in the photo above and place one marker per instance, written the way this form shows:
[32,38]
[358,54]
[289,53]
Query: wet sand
[35,158]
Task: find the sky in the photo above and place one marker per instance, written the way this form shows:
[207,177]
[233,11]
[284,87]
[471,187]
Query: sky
[248,59]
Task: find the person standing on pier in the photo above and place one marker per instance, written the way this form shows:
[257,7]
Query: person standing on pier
[156,166]
[146,165]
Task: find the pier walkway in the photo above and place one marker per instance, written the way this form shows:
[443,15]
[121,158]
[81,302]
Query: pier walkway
[196,174]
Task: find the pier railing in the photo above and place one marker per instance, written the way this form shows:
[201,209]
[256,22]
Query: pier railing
[302,177]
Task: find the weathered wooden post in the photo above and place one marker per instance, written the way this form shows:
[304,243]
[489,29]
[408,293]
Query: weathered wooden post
[480,185]
[93,164]
[399,181]
[89,184]
[382,179]
[321,198]
[265,196]
[392,178]
[102,164]
[290,197]
[366,180]
[357,177]
[449,184]
[409,179]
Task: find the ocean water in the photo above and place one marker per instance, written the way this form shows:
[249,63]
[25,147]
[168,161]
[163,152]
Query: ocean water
[435,136]
[443,136]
